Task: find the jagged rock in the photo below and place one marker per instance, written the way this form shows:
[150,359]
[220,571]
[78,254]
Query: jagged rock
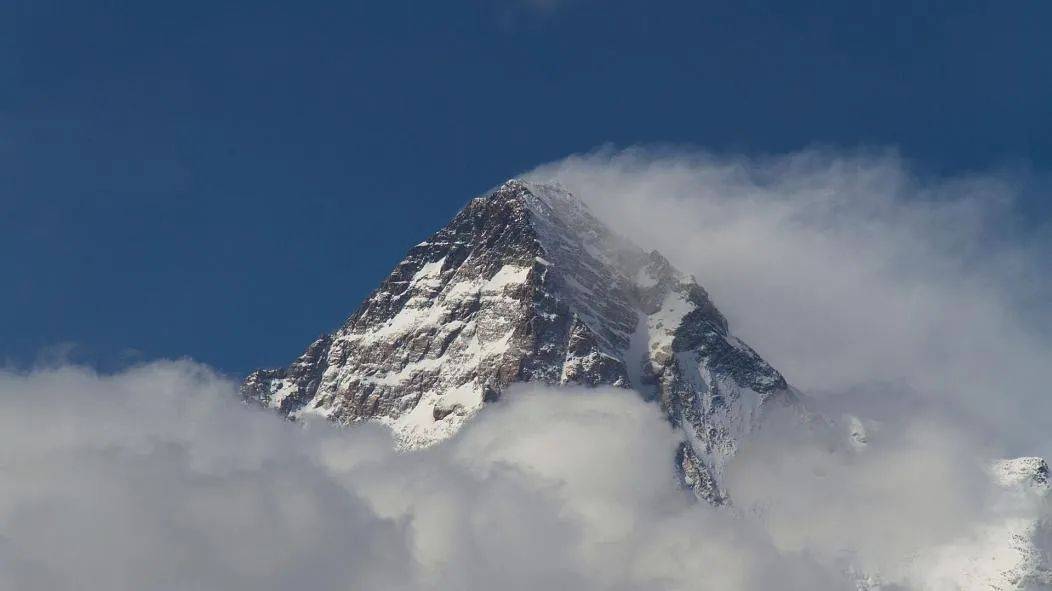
[526,285]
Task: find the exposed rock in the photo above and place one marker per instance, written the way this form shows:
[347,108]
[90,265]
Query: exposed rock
[526,285]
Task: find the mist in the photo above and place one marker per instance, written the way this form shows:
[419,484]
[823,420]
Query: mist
[866,283]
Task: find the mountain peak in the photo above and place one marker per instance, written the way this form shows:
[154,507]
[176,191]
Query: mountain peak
[525,284]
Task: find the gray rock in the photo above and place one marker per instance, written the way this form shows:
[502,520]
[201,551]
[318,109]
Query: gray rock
[526,285]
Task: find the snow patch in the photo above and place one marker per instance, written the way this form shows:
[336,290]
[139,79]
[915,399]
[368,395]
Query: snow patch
[662,324]
[507,275]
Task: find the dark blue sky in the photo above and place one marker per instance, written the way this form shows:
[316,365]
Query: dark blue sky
[228,180]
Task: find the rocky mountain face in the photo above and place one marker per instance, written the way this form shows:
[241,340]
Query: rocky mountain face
[526,285]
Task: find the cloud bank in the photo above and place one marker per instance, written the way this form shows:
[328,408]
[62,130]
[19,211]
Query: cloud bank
[159,478]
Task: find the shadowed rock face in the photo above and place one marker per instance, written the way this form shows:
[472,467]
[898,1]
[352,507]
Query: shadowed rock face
[525,285]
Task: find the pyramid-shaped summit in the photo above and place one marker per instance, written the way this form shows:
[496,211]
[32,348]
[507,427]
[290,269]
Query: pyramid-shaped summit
[526,285]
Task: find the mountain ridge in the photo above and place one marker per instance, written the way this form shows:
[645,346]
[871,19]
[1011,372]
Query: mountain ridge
[525,284]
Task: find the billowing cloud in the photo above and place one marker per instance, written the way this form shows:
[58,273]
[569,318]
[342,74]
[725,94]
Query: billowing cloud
[854,275]
[159,478]
[156,478]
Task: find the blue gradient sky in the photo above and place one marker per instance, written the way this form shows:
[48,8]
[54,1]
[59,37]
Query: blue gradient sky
[228,180]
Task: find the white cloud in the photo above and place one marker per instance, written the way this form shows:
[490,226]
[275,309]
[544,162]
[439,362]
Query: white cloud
[852,274]
[921,483]
[157,478]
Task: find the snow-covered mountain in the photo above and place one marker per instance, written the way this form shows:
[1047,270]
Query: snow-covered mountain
[526,285]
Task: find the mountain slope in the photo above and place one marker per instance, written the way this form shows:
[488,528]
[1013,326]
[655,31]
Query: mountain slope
[526,285]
